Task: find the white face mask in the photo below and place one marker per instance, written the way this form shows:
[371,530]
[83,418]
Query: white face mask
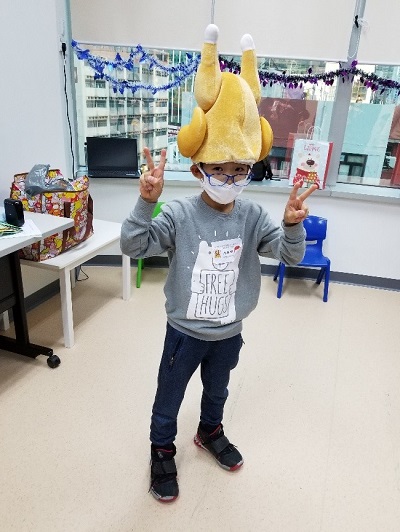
[221,194]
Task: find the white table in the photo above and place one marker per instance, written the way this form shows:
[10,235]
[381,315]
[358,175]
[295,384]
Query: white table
[47,225]
[11,286]
[105,233]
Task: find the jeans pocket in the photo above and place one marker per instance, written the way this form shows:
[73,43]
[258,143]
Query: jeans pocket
[171,361]
[173,345]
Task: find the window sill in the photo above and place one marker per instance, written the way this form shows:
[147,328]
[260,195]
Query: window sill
[339,190]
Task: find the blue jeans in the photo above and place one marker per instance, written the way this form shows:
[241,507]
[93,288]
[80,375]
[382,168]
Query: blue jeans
[181,357]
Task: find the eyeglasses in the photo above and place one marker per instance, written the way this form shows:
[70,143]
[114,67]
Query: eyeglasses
[220,179]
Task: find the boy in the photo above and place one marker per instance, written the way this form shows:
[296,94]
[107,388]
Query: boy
[213,241]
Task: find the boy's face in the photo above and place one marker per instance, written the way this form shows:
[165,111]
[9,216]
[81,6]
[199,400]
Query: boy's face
[221,182]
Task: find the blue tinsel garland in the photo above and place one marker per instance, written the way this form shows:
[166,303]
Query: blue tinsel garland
[183,70]
[100,64]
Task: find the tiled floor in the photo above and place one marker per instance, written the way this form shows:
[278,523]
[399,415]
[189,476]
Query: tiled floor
[314,407]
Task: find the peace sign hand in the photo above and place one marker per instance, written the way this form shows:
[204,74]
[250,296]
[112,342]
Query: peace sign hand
[296,210]
[152,181]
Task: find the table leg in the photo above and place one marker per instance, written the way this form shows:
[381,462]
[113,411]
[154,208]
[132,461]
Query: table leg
[21,344]
[126,277]
[66,307]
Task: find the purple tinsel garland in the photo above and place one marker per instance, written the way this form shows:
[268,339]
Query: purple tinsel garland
[369,80]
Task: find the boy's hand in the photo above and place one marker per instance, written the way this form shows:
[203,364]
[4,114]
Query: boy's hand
[296,210]
[152,181]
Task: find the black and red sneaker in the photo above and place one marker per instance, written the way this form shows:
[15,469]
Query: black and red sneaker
[164,485]
[225,453]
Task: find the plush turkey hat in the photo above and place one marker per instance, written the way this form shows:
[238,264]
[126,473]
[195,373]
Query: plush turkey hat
[226,126]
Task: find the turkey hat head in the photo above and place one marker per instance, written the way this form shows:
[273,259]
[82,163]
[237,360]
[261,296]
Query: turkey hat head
[226,126]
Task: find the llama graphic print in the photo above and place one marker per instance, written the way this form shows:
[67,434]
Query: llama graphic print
[214,279]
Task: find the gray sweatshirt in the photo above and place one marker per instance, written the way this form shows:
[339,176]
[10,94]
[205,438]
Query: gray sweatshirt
[214,272]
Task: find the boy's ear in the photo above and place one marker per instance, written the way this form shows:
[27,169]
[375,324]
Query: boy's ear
[196,172]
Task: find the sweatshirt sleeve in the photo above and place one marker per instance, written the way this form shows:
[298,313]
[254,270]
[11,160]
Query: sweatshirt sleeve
[284,243]
[144,236]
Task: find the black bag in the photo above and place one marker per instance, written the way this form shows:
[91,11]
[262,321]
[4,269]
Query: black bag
[262,169]
[258,171]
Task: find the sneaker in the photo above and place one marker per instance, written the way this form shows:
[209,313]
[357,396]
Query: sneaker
[164,486]
[220,447]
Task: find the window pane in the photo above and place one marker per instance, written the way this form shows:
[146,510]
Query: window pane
[371,148]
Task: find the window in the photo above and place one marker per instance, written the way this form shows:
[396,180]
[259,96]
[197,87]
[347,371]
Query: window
[99,122]
[370,154]
[352,164]
[93,102]
[371,147]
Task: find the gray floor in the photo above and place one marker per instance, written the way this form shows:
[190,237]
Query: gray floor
[314,408]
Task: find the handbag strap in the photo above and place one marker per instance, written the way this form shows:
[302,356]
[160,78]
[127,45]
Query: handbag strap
[311,133]
[89,222]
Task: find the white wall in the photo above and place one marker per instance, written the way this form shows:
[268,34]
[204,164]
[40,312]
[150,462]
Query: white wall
[33,125]
[33,110]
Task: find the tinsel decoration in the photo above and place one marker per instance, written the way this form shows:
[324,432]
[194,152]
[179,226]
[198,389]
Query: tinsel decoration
[369,80]
[106,69]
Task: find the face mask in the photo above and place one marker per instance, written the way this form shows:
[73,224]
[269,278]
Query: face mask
[221,194]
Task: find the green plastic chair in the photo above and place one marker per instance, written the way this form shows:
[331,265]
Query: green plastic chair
[140,263]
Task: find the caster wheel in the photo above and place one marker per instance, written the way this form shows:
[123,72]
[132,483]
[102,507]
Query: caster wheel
[53,361]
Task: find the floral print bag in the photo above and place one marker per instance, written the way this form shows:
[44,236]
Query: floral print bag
[76,204]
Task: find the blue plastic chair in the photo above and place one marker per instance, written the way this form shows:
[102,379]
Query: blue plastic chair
[314,258]
[140,262]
